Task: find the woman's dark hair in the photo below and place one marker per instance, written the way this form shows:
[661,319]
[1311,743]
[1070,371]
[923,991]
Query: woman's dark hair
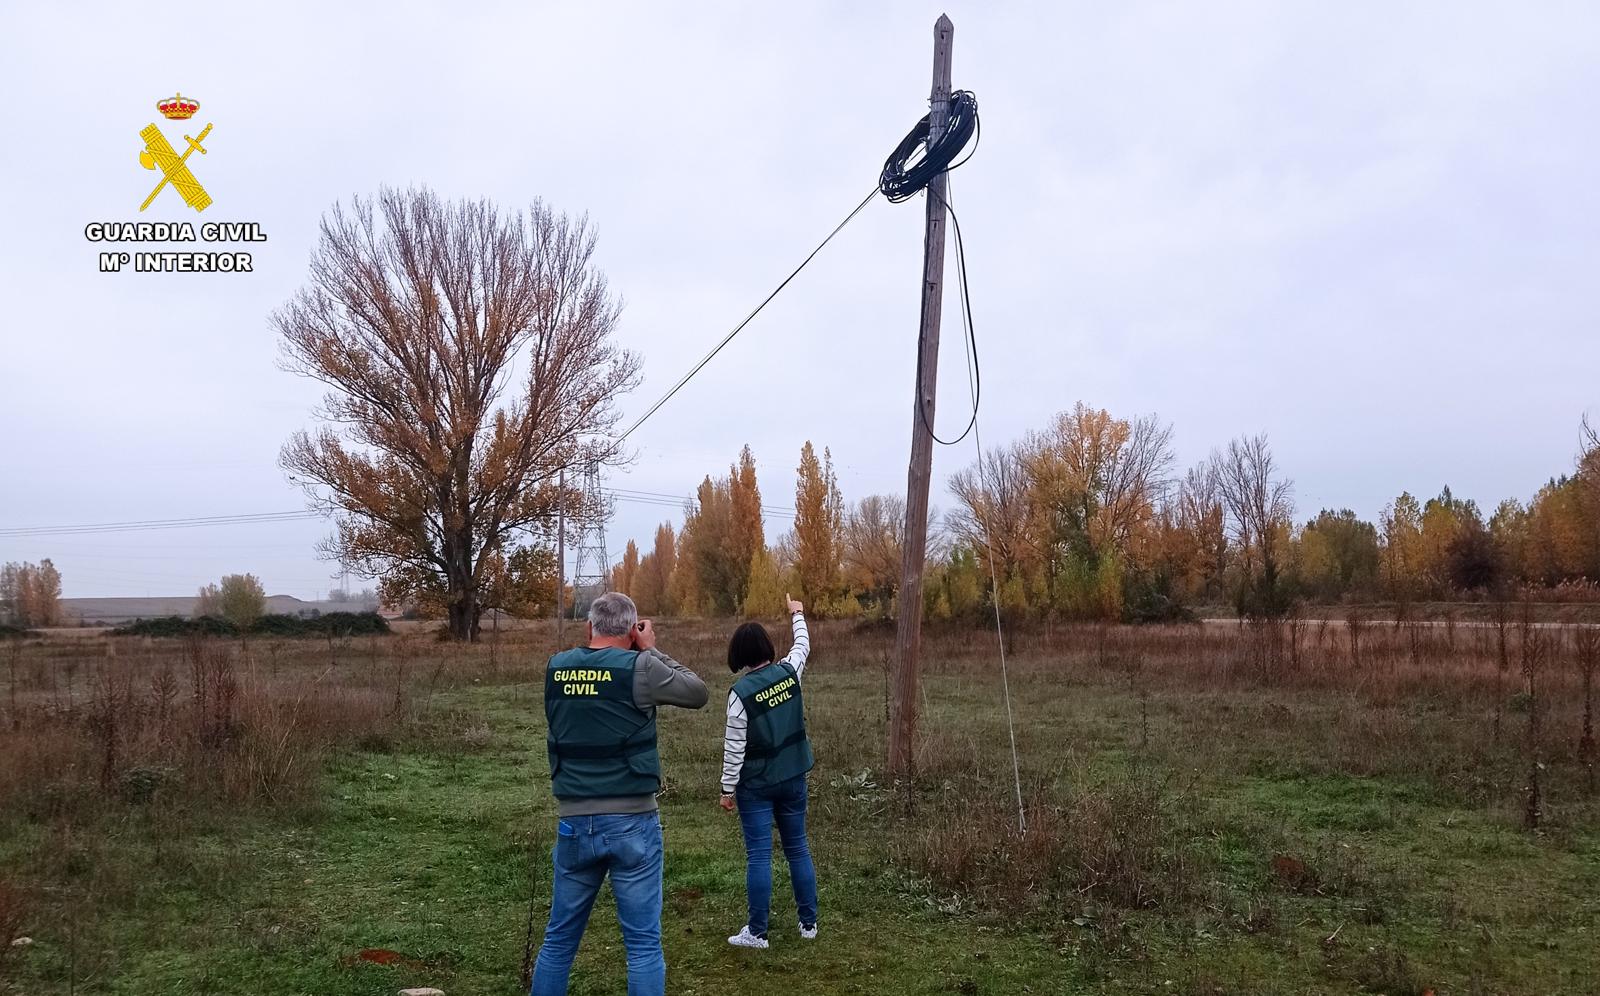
[749,647]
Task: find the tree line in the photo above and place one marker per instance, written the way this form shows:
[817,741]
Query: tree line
[1088,519]
[473,370]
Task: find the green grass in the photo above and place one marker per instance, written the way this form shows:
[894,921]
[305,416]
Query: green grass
[428,854]
[1419,880]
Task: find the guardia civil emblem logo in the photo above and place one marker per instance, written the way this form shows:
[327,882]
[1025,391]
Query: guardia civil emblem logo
[159,154]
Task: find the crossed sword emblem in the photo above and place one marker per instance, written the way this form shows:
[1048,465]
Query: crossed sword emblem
[157,153]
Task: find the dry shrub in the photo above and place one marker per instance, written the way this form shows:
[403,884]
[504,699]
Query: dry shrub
[277,746]
[949,756]
[200,721]
[1128,843]
[477,736]
[40,767]
[1386,969]
[1136,843]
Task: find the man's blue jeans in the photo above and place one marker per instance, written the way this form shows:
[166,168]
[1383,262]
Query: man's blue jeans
[588,848]
[786,803]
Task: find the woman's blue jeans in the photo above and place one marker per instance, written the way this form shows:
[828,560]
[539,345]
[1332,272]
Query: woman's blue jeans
[784,803]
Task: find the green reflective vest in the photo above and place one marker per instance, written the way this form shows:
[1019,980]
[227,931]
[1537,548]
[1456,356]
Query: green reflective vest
[600,743]
[776,747]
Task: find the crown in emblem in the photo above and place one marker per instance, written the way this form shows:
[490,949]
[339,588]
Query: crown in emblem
[178,107]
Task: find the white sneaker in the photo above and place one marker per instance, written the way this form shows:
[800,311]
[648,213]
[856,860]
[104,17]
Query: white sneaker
[745,939]
[808,933]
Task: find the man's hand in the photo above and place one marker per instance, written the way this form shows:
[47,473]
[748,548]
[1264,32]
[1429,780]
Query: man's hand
[727,802]
[644,635]
[794,606]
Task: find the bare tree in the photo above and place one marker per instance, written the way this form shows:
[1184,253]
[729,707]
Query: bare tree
[1199,514]
[874,535]
[1589,466]
[1259,507]
[208,601]
[418,316]
[1589,451]
[992,508]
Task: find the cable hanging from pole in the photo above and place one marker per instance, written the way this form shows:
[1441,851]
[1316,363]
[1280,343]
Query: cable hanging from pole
[983,518]
[974,377]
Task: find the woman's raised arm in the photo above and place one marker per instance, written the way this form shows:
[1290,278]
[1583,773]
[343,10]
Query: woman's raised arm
[802,637]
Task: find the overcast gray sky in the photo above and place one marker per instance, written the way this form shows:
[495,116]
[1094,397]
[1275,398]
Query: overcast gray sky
[1369,229]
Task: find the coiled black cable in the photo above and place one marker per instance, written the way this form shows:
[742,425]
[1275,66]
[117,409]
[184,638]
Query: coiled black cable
[902,178]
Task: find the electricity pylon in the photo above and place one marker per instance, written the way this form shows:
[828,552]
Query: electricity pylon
[591,573]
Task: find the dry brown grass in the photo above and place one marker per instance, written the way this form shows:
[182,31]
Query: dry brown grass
[1124,842]
[249,721]
[120,721]
[100,726]
[1415,703]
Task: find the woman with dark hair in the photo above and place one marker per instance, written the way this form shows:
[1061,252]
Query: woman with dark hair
[765,757]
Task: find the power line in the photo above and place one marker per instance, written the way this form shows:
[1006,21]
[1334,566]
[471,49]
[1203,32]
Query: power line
[145,525]
[658,499]
[747,319]
[626,494]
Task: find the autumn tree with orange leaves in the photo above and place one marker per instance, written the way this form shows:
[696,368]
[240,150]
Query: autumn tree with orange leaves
[624,577]
[469,354]
[818,528]
[652,581]
[722,533]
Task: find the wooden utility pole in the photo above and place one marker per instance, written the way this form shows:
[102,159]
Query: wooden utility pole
[908,641]
[561,557]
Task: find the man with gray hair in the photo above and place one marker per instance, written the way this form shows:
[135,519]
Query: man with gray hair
[600,702]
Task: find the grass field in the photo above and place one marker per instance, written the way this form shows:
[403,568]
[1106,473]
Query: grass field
[1211,810]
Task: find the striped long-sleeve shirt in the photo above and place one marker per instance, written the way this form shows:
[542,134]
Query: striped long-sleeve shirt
[738,730]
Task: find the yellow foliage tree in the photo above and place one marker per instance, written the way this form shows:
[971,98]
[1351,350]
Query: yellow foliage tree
[764,598]
[818,527]
[240,599]
[1402,560]
[624,576]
